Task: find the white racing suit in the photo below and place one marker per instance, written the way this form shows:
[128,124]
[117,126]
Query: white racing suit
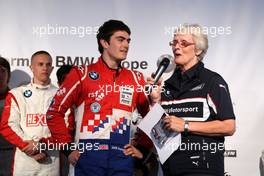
[23,119]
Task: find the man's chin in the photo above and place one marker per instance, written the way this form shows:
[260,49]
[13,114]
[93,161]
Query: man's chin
[122,58]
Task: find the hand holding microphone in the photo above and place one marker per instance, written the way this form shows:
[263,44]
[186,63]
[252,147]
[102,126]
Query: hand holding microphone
[164,65]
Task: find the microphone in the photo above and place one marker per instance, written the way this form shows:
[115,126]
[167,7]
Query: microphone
[163,63]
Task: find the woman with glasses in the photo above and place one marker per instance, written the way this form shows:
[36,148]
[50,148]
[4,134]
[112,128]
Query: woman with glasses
[199,106]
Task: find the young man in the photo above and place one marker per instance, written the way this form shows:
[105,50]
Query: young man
[105,96]
[24,120]
[6,149]
[61,76]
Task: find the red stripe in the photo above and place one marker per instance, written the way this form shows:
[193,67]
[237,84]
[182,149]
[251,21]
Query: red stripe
[6,130]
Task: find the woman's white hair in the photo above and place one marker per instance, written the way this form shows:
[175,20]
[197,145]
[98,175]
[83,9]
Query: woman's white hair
[200,38]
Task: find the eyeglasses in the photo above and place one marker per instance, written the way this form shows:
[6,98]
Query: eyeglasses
[182,43]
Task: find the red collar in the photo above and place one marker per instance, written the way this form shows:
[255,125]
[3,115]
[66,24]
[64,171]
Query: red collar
[106,71]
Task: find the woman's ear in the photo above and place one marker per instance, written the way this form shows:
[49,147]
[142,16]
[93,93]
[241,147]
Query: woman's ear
[198,52]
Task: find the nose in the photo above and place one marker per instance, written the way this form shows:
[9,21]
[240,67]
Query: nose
[126,44]
[45,67]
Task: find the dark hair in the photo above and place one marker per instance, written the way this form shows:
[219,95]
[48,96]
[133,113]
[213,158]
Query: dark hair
[108,29]
[62,72]
[40,52]
[4,63]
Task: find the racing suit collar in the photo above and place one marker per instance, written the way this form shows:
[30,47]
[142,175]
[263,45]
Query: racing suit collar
[37,86]
[118,67]
[107,71]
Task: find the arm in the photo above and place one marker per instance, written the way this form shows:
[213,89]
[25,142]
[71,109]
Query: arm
[223,123]
[67,96]
[10,123]
[212,128]
[143,104]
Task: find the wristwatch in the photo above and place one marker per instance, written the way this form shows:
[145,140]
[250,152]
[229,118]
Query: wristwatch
[186,127]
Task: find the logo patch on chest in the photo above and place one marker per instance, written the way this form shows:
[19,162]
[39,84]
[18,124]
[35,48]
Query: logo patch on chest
[95,107]
[199,87]
[93,75]
[27,93]
[126,96]
[33,120]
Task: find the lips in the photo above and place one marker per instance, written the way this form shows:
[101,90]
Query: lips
[124,51]
[177,54]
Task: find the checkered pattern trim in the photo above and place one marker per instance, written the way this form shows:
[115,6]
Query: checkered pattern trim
[95,124]
[120,125]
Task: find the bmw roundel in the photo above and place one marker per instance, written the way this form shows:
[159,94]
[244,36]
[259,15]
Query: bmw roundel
[28,93]
[93,75]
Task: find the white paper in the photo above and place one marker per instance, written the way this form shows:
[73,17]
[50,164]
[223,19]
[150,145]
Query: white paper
[165,142]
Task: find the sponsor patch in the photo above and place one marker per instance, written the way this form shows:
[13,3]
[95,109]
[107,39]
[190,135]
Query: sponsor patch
[199,87]
[97,95]
[95,107]
[93,75]
[33,120]
[103,147]
[126,96]
[27,93]
[61,91]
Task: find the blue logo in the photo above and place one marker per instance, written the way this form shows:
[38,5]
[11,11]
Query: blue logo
[28,93]
[93,75]
[95,107]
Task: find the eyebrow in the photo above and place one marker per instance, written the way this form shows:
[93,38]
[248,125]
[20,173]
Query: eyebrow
[121,37]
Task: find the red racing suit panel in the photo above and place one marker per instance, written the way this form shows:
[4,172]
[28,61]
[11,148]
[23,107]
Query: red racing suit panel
[103,98]
[12,135]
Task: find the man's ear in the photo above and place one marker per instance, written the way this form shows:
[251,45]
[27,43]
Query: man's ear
[104,43]
[31,67]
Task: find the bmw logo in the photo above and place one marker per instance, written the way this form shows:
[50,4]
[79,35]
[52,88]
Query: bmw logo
[93,75]
[28,93]
[95,107]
